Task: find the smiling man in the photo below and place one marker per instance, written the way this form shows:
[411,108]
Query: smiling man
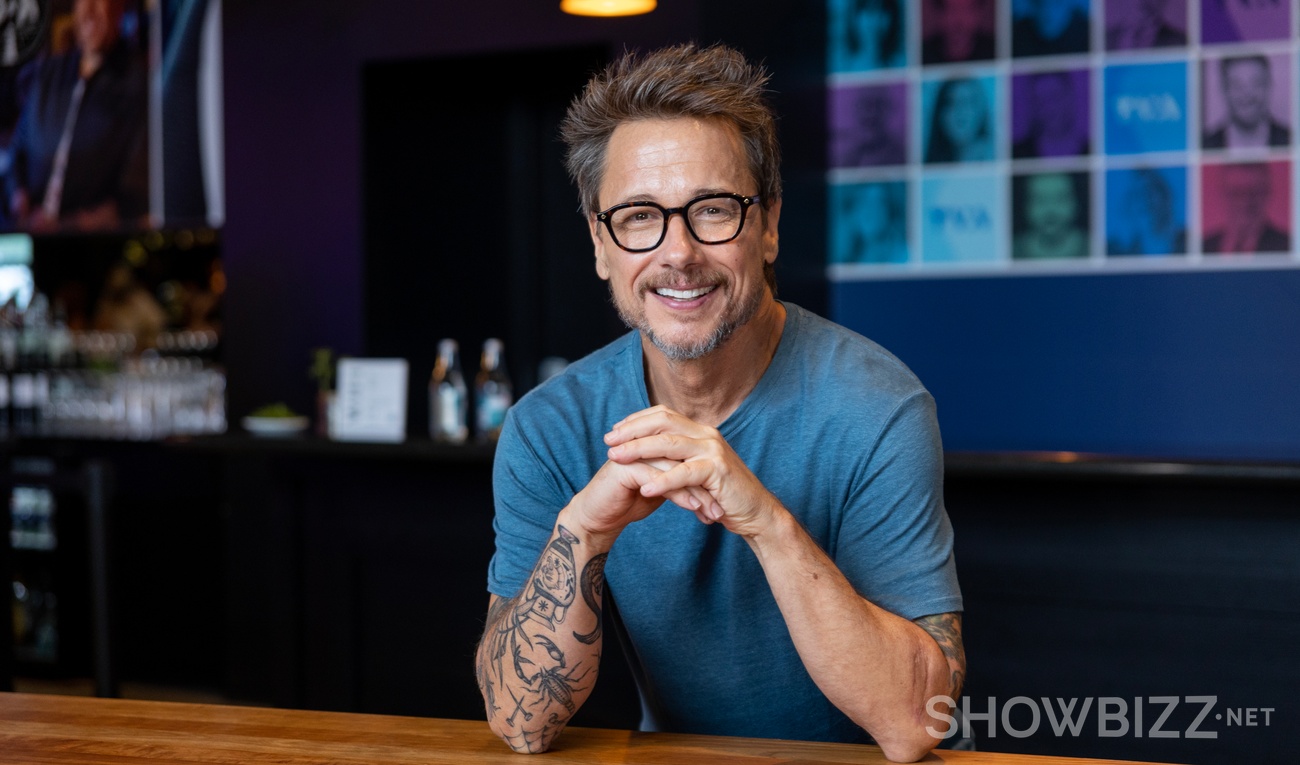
[759,490]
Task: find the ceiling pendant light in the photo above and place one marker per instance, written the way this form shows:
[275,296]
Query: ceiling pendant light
[607,7]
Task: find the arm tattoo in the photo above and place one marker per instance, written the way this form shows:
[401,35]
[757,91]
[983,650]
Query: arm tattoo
[521,667]
[946,631]
[593,584]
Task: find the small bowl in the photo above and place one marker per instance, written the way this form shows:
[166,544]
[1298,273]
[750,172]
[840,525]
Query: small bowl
[274,427]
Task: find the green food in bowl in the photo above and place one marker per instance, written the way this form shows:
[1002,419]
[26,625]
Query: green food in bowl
[278,409]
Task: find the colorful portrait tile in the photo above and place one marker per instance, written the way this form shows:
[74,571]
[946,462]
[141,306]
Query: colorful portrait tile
[1143,24]
[1050,27]
[1146,211]
[869,223]
[1050,217]
[868,125]
[963,219]
[959,120]
[1050,116]
[1246,101]
[1146,107]
[865,35]
[1246,208]
[958,30]
[1225,21]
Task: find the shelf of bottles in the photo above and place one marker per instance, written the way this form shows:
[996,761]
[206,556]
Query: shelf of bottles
[35,603]
[60,383]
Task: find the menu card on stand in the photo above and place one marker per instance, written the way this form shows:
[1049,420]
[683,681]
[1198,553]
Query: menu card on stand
[371,401]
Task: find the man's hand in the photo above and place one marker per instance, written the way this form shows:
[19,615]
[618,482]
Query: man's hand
[612,500]
[706,467]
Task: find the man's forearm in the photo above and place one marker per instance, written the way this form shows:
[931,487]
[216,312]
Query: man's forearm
[540,652]
[876,667]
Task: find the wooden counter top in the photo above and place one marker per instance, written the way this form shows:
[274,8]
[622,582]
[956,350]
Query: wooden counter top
[61,730]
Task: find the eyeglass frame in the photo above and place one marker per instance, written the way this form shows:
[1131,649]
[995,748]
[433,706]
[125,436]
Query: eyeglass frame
[605,216]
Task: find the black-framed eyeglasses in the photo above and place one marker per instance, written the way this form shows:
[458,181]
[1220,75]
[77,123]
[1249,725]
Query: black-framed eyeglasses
[711,219]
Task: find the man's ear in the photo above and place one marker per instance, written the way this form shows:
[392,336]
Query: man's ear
[771,217]
[598,244]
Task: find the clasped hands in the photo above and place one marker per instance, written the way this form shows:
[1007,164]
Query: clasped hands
[657,454]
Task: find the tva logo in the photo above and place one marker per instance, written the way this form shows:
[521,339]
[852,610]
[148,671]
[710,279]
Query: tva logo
[1157,107]
[960,217]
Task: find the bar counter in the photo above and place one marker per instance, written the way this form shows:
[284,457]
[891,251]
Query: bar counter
[63,730]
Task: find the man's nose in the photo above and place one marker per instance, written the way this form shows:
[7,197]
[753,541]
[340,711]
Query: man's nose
[679,247]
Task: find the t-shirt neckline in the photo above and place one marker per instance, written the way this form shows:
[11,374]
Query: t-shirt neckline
[757,398]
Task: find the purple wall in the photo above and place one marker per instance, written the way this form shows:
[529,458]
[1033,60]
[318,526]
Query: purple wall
[293,234]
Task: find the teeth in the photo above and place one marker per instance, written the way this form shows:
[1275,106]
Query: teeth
[683,294]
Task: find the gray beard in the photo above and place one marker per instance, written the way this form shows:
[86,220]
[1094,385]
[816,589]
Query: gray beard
[702,347]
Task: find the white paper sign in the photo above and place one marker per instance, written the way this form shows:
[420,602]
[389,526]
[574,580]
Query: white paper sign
[371,401]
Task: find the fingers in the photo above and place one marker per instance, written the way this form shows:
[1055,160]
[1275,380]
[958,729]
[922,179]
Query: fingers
[661,446]
[656,419]
[693,498]
[687,475]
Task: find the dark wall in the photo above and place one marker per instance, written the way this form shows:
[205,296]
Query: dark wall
[294,226]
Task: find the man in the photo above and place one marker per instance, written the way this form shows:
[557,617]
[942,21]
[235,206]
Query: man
[79,154]
[1051,212]
[1247,84]
[1245,191]
[798,582]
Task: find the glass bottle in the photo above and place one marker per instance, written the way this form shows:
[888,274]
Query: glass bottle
[448,397]
[492,396]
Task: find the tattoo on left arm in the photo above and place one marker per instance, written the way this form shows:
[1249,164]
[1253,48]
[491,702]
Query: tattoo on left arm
[946,631]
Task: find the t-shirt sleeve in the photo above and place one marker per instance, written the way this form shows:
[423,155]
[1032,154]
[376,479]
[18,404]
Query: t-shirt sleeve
[527,499]
[896,543]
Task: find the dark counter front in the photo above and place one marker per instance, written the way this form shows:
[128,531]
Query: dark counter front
[1087,577]
[357,576]
[351,577]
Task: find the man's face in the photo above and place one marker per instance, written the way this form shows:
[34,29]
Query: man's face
[715,288]
[96,23]
[1246,191]
[1246,86]
[1050,206]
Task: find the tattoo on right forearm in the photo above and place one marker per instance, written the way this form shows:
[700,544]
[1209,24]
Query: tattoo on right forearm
[593,585]
[522,669]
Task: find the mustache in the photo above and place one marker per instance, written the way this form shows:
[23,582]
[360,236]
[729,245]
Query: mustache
[682,280]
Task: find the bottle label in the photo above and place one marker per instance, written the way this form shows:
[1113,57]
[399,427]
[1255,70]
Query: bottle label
[492,411]
[24,391]
[450,420]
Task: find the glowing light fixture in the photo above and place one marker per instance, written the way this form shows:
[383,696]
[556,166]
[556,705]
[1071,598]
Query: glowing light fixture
[607,7]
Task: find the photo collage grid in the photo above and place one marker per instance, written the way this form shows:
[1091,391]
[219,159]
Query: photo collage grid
[1059,136]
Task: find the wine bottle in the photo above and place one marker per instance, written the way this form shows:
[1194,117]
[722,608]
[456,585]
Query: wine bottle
[492,392]
[448,397]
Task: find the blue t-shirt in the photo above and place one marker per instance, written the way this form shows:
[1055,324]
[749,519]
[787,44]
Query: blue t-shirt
[837,428]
